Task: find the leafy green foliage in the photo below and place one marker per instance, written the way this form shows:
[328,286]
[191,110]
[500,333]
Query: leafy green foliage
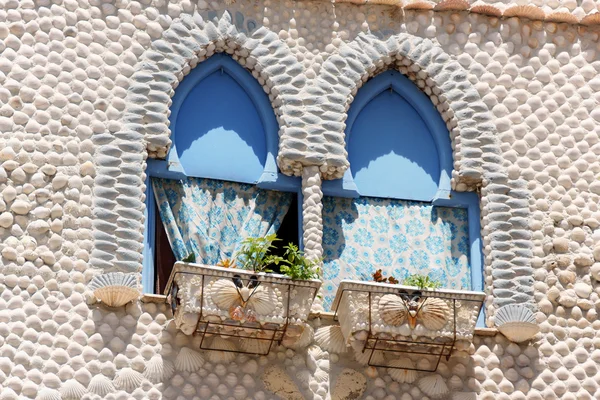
[191,258]
[253,256]
[421,281]
[296,265]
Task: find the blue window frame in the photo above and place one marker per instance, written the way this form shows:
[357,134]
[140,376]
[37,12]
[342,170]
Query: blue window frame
[223,127]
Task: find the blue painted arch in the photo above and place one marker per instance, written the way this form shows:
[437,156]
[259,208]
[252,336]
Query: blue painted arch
[222,125]
[398,145]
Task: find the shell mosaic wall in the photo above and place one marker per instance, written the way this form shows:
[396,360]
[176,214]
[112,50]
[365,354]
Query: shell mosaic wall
[85,87]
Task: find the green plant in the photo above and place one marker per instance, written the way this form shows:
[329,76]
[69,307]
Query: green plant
[421,281]
[253,256]
[296,265]
[191,258]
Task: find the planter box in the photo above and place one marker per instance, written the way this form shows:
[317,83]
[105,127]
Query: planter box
[394,318]
[210,299]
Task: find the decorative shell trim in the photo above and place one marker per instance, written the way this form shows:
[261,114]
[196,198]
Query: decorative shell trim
[128,379]
[420,6]
[562,17]
[516,322]
[592,19]
[115,289]
[531,12]
[157,369]
[72,390]
[452,5]
[433,386]
[399,373]
[222,351]
[330,338]
[101,385]
[188,360]
[486,9]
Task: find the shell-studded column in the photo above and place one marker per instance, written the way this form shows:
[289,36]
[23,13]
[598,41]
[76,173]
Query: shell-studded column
[312,220]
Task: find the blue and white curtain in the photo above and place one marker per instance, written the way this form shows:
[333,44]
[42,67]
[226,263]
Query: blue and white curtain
[210,218]
[363,235]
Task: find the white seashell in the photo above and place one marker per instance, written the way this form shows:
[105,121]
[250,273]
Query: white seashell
[158,369]
[263,301]
[296,342]
[321,376]
[331,339]
[128,379]
[188,360]
[516,322]
[399,373]
[350,384]
[101,385]
[363,357]
[115,289]
[224,352]
[48,394]
[433,386]
[452,5]
[224,293]
[392,309]
[72,390]
[434,313]
[255,346]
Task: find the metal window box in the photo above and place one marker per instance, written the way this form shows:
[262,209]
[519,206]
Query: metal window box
[356,305]
[195,311]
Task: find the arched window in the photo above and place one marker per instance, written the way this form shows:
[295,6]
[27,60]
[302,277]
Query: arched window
[212,188]
[395,210]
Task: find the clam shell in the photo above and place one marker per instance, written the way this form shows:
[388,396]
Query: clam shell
[217,356]
[321,376]
[188,360]
[513,313]
[527,11]
[157,369]
[433,386]
[224,293]
[452,5]
[115,289]
[434,313]
[48,394]
[392,310]
[486,9]
[399,373]
[128,379]
[330,338]
[296,342]
[562,17]
[101,385]
[519,331]
[72,390]
[264,300]
[592,19]
[420,5]
[363,357]
[255,346]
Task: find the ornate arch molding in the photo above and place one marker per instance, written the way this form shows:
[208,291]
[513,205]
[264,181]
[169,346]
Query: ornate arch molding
[478,163]
[119,191]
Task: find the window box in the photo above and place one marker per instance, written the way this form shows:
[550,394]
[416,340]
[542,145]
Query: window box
[403,319]
[241,304]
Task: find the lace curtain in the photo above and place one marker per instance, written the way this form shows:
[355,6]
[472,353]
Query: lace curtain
[363,235]
[210,218]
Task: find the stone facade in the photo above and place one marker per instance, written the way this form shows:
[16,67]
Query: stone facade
[85,89]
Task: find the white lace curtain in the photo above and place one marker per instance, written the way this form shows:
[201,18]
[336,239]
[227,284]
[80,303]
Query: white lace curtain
[210,218]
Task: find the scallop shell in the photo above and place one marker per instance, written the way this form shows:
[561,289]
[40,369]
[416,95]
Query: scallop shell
[519,331]
[363,357]
[434,313]
[72,390]
[392,310]
[321,376]
[128,379]
[217,356]
[101,385]
[188,360]
[420,5]
[486,9]
[296,342]
[330,338]
[562,17]
[513,313]
[452,5]
[48,394]
[433,386]
[399,373]
[255,346]
[115,289]
[264,300]
[528,11]
[224,293]
[158,369]
[592,19]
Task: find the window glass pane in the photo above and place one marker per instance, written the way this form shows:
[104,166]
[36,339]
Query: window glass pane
[400,237]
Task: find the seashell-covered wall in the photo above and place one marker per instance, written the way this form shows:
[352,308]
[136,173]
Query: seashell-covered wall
[85,87]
